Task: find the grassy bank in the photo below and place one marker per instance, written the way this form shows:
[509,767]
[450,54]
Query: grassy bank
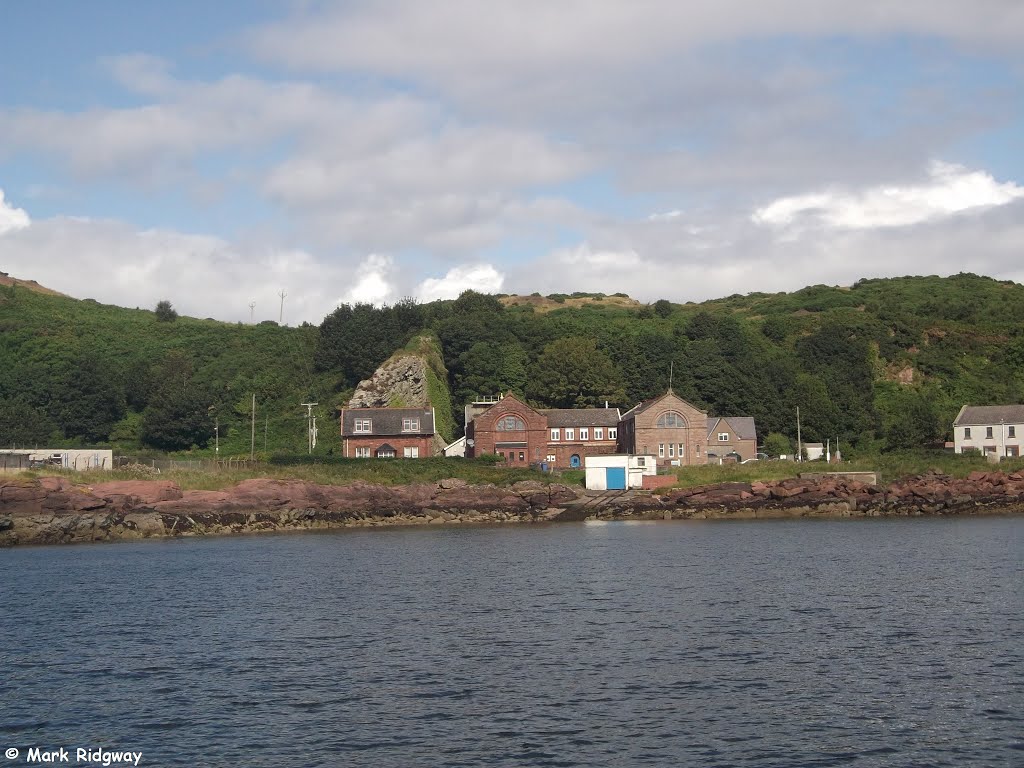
[397,472]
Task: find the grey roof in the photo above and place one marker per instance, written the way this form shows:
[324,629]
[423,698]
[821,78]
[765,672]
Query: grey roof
[582,417]
[742,426]
[386,421]
[990,414]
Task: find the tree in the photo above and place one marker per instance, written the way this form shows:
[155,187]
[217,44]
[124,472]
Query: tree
[777,444]
[165,312]
[663,308]
[573,373]
[178,418]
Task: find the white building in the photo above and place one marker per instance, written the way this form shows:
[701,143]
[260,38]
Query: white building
[993,430]
[63,458]
[618,471]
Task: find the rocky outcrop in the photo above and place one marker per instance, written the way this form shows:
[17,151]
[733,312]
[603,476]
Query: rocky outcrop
[933,493]
[53,510]
[401,382]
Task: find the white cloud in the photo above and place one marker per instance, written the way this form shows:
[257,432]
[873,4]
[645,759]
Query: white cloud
[201,275]
[949,190]
[477,277]
[11,218]
[372,284]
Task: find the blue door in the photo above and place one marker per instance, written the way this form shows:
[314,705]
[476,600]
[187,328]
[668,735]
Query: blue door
[615,478]
[574,461]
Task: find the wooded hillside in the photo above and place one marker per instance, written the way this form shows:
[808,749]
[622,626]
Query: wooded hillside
[884,364]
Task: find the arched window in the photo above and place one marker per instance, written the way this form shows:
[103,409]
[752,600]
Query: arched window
[510,424]
[671,420]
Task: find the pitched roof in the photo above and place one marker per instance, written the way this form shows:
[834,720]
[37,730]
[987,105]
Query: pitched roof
[387,421]
[643,405]
[742,426]
[990,414]
[582,417]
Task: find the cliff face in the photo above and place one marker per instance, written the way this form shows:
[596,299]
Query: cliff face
[400,382]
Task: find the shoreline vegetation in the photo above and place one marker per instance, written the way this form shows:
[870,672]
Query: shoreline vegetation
[57,508]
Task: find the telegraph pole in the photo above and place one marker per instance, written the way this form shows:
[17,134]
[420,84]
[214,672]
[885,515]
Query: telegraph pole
[799,447]
[280,316]
[252,430]
[310,426]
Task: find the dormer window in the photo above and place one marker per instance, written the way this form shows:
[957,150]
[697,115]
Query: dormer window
[363,426]
[410,425]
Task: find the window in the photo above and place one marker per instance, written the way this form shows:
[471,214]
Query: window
[363,452]
[584,433]
[671,420]
[641,461]
[723,437]
[385,453]
[570,433]
[671,451]
[680,451]
[599,433]
[661,450]
[988,433]
[967,433]
[522,457]
[410,425]
[556,435]
[698,449]
[613,432]
[365,426]
[510,424]
[1011,431]
[552,458]
[411,452]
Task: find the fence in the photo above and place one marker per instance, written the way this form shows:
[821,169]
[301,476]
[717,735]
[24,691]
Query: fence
[200,465]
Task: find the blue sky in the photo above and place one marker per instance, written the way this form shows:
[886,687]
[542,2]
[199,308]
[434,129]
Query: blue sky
[216,153]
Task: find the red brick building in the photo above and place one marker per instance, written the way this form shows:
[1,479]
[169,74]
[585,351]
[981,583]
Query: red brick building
[511,429]
[387,433]
[575,433]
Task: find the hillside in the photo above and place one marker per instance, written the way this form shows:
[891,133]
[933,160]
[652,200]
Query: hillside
[883,364]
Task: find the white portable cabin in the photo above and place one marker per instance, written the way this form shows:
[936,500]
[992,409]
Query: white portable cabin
[618,471]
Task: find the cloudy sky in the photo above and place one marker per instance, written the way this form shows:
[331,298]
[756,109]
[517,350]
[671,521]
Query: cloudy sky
[217,154]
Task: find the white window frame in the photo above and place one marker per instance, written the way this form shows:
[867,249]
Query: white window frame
[386,455]
[679,451]
[723,437]
[411,452]
[613,432]
[556,434]
[599,433]
[671,450]
[552,458]
[362,426]
[584,433]
[362,451]
[661,450]
[411,425]
[641,461]
[570,434]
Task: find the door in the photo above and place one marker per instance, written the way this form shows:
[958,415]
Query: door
[615,478]
[574,461]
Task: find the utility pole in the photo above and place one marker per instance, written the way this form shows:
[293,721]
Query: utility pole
[216,435]
[266,425]
[252,430]
[280,316]
[799,446]
[252,312]
[310,426]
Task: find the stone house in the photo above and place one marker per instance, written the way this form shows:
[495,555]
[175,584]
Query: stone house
[387,433]
[731,438]
[996,431]
[667,427]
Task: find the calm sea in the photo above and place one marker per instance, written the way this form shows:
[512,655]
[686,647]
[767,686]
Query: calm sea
[865,643]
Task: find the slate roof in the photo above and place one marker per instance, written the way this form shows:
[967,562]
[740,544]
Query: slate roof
[741,426]
[983,415]
[581,417]
[386,421]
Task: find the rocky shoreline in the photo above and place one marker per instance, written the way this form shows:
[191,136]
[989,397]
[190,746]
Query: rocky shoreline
[55,510]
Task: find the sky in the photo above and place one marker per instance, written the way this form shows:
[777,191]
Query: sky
[220,154]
